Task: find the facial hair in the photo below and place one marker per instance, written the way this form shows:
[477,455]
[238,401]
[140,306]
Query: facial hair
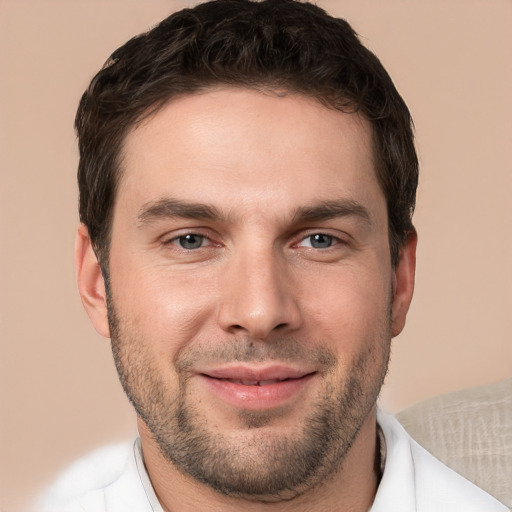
[263,465]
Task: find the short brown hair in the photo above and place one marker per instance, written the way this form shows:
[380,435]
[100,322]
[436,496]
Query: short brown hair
[276,44]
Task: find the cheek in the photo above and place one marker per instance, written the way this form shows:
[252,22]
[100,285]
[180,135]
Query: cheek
[351,310]
[166,308]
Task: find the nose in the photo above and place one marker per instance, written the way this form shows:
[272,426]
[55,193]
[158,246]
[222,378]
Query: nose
[259,297]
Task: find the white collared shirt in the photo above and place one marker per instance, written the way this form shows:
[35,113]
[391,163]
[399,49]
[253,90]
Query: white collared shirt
[114,479]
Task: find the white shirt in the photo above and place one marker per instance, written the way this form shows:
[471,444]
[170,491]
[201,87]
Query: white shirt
[114,479]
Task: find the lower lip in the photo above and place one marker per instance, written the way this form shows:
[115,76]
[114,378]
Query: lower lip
[257,397]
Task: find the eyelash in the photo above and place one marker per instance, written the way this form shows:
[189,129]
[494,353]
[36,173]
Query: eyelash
[176,241]
[332,239]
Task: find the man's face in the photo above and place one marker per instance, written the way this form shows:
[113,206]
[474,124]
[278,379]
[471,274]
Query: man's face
[252,298]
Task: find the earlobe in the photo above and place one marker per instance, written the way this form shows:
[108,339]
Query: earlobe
[90,282]
[403,283]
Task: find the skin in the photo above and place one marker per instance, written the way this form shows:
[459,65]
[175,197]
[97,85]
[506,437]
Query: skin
[255,287]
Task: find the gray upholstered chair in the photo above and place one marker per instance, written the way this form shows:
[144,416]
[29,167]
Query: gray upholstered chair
[471,432]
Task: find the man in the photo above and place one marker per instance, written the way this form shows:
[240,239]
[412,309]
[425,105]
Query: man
[247,180]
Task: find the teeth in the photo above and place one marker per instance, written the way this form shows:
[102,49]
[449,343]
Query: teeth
[254,382]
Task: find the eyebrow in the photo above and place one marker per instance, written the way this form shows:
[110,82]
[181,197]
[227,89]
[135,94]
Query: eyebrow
[332,209]
[169,208]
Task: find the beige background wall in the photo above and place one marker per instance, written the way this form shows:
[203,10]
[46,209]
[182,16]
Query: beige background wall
[58,389]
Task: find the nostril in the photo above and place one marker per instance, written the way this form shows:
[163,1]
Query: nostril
[238,327]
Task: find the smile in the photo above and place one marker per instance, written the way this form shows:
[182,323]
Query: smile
[254,389]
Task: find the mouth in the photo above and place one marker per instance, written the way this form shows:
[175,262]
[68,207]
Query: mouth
[257,389]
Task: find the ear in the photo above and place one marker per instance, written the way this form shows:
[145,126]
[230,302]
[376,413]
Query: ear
[403,283]
[90,282]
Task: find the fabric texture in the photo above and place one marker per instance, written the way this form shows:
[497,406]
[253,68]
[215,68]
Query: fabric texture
[471,432]
[107,480]
[112,480]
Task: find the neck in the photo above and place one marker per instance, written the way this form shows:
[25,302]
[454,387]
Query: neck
[351,489]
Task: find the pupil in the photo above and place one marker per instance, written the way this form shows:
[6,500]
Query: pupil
[321,241]
[191,241]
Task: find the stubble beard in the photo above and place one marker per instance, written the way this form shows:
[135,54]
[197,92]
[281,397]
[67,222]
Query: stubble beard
[263,465]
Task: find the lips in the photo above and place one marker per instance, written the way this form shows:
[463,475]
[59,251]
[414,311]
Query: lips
[254,374]
[257,388]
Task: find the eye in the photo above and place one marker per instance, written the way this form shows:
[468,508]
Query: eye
[191,241]
[318,241]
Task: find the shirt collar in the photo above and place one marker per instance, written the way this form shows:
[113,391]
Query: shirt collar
[144,477]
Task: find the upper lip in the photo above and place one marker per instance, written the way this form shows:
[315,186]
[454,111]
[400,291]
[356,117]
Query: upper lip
[251,373]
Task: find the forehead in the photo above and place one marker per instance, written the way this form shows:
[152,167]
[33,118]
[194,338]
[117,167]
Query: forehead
[244,148]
